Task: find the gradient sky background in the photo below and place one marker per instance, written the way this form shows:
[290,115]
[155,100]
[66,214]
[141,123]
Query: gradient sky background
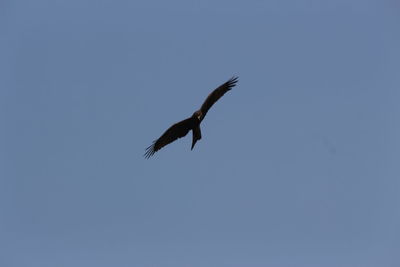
[298,165]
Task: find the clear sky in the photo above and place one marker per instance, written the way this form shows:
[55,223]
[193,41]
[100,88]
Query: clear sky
[298,165]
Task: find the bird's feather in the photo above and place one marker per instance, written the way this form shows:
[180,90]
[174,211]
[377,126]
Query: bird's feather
[178,130]
[215,95]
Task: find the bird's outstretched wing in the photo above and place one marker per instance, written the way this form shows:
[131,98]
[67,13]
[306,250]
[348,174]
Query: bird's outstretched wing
[217,94]
[178,130]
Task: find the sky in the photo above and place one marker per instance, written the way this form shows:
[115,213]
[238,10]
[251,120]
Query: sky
[298,164]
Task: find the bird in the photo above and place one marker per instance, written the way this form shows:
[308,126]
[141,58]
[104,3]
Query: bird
[181,129]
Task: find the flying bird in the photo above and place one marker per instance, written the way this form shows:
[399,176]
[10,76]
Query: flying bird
[180,129]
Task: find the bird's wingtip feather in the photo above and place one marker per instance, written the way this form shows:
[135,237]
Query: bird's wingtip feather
[150,151]
[232,81]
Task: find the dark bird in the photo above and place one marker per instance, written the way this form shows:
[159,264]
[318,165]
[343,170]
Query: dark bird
[180,129]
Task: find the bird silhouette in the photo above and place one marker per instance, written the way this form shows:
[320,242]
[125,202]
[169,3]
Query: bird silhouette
[180,129]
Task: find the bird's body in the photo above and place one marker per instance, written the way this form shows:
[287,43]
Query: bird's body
[180,129]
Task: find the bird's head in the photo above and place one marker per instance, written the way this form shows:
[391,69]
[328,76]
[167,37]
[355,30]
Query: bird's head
[197,115]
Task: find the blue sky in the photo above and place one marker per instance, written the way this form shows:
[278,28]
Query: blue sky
[298,165]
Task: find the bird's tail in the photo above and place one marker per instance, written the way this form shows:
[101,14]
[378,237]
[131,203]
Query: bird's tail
[196,135]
